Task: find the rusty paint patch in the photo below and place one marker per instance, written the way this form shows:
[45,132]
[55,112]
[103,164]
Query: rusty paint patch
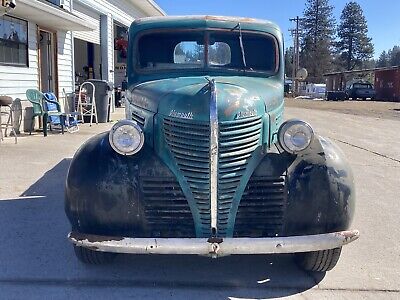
[77,236]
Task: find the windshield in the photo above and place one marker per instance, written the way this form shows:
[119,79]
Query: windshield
[201,50]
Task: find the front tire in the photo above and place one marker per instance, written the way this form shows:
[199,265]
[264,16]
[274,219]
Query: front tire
[91,257]
[318,261]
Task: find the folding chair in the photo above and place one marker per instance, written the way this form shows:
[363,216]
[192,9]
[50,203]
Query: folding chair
[87,105]
[71,115]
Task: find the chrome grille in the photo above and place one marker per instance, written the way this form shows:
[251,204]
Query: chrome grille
[166,208]
[237,142]
[189,143]
[261,210]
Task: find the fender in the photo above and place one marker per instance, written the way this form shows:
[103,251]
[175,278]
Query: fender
[321,193]
[103,194]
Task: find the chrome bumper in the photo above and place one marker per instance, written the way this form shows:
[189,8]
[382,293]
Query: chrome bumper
[214,247]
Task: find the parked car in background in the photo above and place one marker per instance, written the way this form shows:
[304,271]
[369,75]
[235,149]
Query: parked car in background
[204,163]
[360,90]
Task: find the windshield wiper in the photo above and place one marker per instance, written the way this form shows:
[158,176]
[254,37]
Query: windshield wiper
[241,43]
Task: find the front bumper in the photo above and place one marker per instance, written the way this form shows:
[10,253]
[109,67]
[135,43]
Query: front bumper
[214,247]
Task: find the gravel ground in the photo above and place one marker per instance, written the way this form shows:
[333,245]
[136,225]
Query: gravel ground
[374,109]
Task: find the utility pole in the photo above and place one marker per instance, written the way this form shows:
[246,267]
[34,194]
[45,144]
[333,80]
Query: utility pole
[296,55]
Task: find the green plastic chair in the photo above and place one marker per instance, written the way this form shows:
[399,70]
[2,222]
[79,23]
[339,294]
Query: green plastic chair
[39,109]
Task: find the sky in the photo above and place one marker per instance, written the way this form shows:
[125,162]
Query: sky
[382,15]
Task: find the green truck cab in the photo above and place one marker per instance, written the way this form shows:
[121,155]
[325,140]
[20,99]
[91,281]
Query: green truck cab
[204,163]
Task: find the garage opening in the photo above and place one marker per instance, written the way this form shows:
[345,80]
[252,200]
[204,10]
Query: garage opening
[87,60]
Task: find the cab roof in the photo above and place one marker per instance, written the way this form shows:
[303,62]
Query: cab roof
[203,22]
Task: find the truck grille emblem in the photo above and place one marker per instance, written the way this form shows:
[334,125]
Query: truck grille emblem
[181,115]
[246,114]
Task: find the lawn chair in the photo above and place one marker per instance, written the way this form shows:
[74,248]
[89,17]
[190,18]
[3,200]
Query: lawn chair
[42,108]
[87,104]
[53,108]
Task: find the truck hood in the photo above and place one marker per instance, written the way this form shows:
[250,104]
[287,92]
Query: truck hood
[189,97]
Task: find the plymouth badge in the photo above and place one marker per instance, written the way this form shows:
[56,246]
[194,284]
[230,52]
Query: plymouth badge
[246,114]
[182,115]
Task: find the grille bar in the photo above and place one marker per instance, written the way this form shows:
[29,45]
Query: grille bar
[140,120]
[238,140]
[189,143]
[262,208]
[166,208]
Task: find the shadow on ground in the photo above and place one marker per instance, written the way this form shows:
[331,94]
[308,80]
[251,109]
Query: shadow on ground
[35,251]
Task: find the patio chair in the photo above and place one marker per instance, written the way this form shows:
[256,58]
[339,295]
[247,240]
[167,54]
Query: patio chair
[7,103]
[41,109]
[87,104]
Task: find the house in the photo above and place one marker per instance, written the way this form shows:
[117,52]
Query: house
[52,45]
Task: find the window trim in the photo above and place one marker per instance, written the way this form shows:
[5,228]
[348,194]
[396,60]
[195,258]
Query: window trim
[26,66]
[206,31]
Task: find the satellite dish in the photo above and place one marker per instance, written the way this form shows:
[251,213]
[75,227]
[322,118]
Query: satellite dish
[302,74]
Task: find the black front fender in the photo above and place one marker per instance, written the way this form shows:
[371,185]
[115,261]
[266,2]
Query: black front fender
[103,194]
[321,193]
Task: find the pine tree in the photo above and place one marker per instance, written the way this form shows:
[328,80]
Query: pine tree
[394,56]
[383,60]
[289,53]
[318,28]
[354,46]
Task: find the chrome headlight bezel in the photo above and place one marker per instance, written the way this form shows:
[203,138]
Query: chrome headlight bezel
[133,126]
[284,134]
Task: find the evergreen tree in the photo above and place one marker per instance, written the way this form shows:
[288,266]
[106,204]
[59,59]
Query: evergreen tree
[318,28]
[383,60]
[354,46]
[394,56]
[289,53]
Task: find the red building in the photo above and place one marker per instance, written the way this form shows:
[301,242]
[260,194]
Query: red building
[387,84]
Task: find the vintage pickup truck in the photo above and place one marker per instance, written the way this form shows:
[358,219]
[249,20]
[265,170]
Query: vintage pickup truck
[204,163]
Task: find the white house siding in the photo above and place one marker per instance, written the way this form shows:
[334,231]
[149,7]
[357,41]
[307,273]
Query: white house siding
[65,59]
[65,62]
[91,17]
[122,11]
[107,47]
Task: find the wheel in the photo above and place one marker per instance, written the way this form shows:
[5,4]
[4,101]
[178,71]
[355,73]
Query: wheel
[91,257]
[364,99]
[318,261]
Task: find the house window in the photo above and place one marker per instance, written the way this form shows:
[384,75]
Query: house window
[13,41]
[55,2]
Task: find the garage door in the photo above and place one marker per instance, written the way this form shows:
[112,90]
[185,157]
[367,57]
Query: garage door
[91,17]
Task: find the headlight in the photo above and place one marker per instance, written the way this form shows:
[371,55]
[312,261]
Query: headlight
[295,136]
[126,137]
